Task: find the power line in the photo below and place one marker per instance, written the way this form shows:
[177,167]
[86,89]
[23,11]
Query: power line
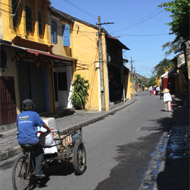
[16,8]
[44,19]
[144,19]
[81,9]
[83,31]
[136,35]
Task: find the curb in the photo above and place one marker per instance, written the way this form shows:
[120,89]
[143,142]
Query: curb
[156,164]
[16,150]
[98,118]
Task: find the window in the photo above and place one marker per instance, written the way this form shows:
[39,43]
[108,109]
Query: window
[66,35]
[15,12]
[28,19]
[54,32]
[62,81]
[39,23]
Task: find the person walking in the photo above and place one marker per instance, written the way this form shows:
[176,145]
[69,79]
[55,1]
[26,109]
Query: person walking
[150,90]
[167,99]
[27,123]
[157,90]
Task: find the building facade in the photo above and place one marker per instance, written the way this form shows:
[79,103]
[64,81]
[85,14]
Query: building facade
[42,49]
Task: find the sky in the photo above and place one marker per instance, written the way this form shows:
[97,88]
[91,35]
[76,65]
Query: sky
[138,24]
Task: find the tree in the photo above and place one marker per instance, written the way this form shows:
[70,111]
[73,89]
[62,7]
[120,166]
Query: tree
[180,12]
[162,67]
[152,81]
[80,92]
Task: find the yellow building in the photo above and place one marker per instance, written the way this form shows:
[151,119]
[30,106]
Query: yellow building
[27,60]
[61,30]
[42,49]
[83,47]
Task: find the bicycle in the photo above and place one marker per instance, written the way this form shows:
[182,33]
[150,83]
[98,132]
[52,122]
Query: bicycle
[23,169]
[70,148]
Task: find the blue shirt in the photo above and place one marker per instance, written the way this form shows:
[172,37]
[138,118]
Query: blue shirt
[27,123]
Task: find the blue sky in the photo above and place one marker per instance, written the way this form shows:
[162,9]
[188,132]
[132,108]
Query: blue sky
[138,24]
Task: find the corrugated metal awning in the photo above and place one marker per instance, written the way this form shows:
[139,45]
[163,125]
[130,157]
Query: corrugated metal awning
[165,75]
[37,53]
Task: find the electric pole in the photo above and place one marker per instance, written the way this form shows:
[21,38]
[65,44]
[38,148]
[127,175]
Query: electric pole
[102,88]
[102,91]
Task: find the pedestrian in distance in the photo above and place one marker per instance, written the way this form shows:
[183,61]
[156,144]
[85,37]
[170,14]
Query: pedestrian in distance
[150,90]
[157,90]
[27,126]
[154,90]
[167,99]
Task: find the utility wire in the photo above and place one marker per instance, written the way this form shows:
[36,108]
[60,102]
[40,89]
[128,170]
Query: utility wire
[81,9]
[144,19]
[88,32]
[16,8]
[143,34]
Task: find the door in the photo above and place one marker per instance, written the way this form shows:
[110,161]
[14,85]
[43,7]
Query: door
[32,85]
[7,101]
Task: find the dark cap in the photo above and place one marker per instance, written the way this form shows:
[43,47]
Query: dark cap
[28,103]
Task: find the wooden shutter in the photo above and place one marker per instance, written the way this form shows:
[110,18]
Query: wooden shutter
[7,101]
[28,19]
[39,23]
[54,31]
[15,13]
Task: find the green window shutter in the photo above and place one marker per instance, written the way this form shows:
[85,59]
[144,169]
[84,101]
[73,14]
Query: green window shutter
[28,19]
[66,35]
[15,10]
[39,23]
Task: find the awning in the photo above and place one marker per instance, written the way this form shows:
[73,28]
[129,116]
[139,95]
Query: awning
[38,53]
[165,75]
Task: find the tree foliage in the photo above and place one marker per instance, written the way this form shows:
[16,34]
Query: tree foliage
[172,46]
[80,92]
[152,81]
[180,14]
[180,17]
[162,67]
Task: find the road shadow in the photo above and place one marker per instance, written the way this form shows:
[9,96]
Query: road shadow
[59,169]
[54,168]
[133,160]
[175,175]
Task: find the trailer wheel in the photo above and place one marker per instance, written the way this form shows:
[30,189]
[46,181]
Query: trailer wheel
[79,158]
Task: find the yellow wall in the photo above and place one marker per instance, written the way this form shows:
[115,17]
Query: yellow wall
[58,48]
[127,86]
[158,81]
[9,32]
[85,49]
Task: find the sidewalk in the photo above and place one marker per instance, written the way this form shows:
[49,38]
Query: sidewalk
[8,137]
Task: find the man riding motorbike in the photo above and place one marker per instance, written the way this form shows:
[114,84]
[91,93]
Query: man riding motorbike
[27,123]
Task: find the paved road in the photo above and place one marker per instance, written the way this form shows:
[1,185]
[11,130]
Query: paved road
[118,150]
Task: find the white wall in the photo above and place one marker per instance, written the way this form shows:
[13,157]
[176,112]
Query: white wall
[64,95]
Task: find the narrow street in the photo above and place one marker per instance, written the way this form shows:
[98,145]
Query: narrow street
[118,148]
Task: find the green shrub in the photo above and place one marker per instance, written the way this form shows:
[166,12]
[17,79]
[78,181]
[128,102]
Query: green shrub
[80,92]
